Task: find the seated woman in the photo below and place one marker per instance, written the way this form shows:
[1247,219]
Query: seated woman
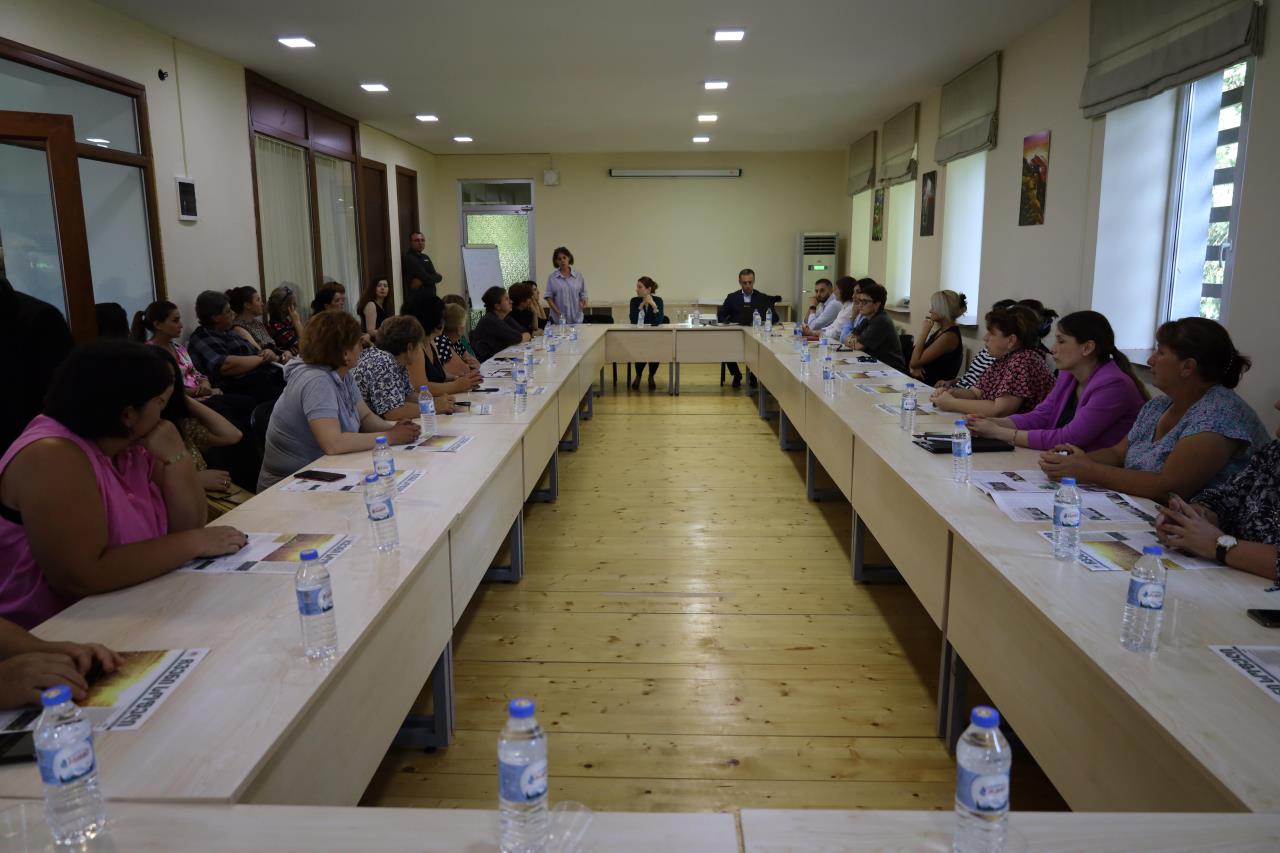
[430,370]
[452,344]
[283,321]
[846,289]
[1197,435]
[524,307]
[321,412]
[496,330]
[163,322]
[1018,380]
[938,351]
[246,305]
[331,296]
[1096,398]
[1236,523]
[29,666]
[228,359]
[652,305]
[382,373]
[877,335]
[99,493]
[375,305]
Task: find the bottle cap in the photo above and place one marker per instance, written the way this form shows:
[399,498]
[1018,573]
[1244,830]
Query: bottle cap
[984,717]
[371,478]
[309,554]
[520,708]
[1068,481]
[382,439]
[55,696]
[1153,550]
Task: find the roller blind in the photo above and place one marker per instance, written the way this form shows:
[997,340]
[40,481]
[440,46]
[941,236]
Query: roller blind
[898,147]
[862,164]
[1138,48]
[967,115]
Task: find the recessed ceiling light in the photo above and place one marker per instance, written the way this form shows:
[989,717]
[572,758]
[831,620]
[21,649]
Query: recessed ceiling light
[374,87]
[427,117]
[93,140]
[296,41]
[463,139]
[730,35]
[712,85]
[701,139]
[706,117]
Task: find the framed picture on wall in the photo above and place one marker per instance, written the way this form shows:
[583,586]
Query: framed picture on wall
[928,197]
[1035,178]
[877,216]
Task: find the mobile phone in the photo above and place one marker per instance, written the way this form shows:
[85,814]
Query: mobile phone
[321,476]
[1265,618]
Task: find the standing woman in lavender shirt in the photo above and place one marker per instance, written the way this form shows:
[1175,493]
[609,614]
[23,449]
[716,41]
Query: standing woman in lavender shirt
[566,288]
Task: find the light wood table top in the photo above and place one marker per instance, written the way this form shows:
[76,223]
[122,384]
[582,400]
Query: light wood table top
[766,831]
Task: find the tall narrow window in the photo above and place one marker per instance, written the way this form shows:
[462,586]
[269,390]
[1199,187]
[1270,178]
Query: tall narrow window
[284,216]
[899,239]
[962,226]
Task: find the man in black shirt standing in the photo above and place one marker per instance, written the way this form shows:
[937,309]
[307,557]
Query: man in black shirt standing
[417,270]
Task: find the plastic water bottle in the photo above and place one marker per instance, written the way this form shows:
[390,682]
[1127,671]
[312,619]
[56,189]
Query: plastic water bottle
[426,414]
[524,821]
[522,389]
[380,502]
[1144,605]
[315,606]
[961,453]
[806,359]
[768,322]
[983,759]
[1066,520]
[907,412]
[828,376]
[756,326]
[384,464]
[64,751]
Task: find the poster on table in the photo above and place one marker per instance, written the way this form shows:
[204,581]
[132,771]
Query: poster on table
[273,553]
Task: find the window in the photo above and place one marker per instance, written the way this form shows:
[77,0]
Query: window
[900,236]
[860,235]
[962,228]
[1209,151]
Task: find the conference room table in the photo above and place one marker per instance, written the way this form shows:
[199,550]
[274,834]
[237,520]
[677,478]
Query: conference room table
[256,722]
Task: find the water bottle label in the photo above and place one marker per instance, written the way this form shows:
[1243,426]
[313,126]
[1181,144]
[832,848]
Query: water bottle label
[982,792]
[66,765]
[384,467]
[1066,516]
[522,783]
[381,510]
[315,600]
[1146,594]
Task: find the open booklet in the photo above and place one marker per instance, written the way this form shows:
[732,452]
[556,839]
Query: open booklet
[1028,496]
[351,481]
[273,553]
[1119,550]
[124,699]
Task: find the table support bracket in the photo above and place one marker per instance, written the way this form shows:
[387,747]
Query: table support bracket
[432,731]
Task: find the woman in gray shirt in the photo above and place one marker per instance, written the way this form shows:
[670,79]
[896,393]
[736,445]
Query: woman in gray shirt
[321,412]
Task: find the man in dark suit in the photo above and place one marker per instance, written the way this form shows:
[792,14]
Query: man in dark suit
[417,270]
[732,311]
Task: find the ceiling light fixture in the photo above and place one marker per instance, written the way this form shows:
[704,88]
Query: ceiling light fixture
[701,139]
[463,139]
[296,41]
[374,87]
[427,117]
[730,35]
[707,117]
[713,85]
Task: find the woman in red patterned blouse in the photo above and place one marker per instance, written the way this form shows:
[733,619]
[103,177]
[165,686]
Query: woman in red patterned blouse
[1017,381]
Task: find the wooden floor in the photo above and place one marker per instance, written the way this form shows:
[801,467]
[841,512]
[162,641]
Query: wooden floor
[690,633]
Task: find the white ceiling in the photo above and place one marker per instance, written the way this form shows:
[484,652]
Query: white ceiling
[606,75]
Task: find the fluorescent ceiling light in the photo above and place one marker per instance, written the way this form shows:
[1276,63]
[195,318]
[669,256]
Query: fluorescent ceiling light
[374,87]
[706,117]
[93,140]
[427,117]
[712,85]
[730,35]
[701,139]
[463,139]
[296,41]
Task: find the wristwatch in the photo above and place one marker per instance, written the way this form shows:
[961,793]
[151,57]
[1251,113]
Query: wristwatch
[1225,544]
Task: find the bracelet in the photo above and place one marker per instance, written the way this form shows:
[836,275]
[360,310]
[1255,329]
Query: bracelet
[175,459]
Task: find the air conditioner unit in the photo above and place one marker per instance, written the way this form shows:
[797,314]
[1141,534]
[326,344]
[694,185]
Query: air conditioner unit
[817,259]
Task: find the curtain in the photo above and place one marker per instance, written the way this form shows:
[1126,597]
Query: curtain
[898,147]
[967,116]
[862,164]
[1138,48]
[284,213]
[336,205]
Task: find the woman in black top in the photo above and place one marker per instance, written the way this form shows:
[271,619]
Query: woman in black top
[877,336]
[523,310]
[496,330]
[938,352]
[652,306]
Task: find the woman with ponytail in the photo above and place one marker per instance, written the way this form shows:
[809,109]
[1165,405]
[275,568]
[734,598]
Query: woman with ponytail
[1095,400]
[1197,435]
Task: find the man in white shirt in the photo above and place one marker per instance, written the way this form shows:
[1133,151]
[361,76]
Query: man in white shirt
[825,309]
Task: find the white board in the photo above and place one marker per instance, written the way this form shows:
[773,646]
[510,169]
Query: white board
[481,269]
